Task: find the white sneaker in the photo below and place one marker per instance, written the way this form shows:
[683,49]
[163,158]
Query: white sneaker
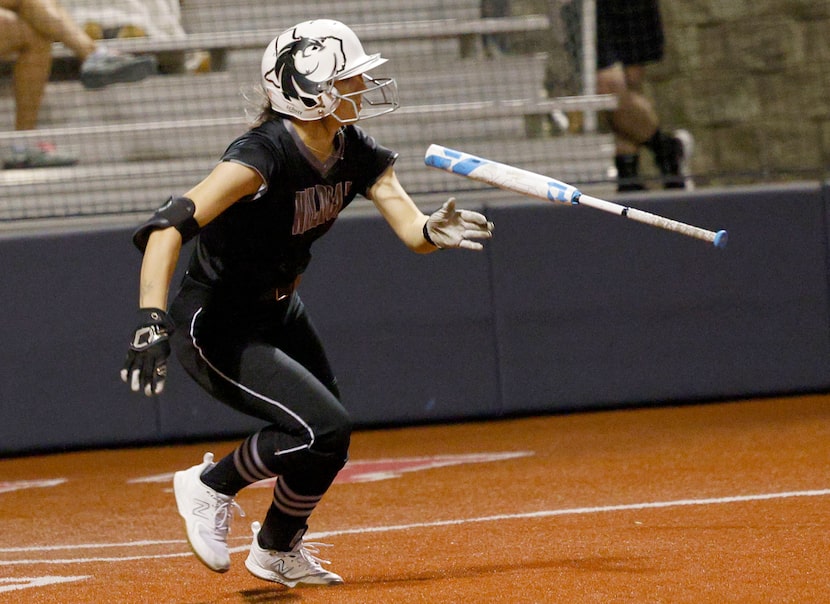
[207,515]
[687,144]
[300,565]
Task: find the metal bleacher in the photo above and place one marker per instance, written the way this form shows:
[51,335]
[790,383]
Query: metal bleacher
[138,143]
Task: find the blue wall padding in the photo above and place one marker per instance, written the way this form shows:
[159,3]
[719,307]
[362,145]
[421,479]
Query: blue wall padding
[596,311]
[66,299]
[411,337]
[568,308]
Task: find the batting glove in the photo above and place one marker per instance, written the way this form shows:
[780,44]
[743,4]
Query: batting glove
[451,228]
[146,365]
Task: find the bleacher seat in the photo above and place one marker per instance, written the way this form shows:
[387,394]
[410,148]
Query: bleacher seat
[141,142]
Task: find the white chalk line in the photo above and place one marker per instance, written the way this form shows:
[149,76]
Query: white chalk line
[391,528]
[18,583]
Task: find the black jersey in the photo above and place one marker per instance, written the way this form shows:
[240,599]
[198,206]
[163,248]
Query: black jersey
[264,241]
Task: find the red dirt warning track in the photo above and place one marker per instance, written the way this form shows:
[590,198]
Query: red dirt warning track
[712,503]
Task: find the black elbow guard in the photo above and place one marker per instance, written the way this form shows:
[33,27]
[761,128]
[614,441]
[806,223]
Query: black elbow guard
[177,213]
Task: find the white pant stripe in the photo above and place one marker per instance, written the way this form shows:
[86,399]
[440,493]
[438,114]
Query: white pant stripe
[251,392]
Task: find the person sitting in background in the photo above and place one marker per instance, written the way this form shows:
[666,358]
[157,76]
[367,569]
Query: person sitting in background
[629,36]
[27,30]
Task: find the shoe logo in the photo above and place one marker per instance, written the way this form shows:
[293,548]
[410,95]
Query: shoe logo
[201,509]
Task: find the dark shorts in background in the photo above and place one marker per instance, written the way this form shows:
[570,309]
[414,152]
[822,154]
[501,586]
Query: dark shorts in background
[628,31]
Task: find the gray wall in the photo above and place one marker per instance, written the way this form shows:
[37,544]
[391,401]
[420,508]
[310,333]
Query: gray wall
[749,79]
[569,308]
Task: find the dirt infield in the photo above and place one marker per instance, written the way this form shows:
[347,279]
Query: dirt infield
[713,503]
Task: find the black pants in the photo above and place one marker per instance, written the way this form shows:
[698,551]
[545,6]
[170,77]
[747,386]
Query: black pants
[266,360]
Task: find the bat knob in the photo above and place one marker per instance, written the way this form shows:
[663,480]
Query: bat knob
[721,237]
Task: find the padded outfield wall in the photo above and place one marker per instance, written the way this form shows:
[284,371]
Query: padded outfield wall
[567,309]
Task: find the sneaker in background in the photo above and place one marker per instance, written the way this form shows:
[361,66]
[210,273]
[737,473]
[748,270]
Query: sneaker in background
[104,67]
[687,143]
[674,161]
[300,565]
[628,173]
[42,155]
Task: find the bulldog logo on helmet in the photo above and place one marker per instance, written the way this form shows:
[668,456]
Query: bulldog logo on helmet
[305,68]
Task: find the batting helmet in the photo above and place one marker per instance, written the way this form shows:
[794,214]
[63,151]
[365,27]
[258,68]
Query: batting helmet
[301,66]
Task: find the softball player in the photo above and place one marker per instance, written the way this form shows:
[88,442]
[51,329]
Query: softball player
[241,330]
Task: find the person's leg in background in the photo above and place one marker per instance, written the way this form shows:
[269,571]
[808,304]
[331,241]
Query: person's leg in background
[27,30]
[630,36]
[31,68]
[99,67]
[52,22]
[30,73]
[633,122]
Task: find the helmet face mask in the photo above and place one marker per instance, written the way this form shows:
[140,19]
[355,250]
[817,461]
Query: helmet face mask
[301,66]
[378,97]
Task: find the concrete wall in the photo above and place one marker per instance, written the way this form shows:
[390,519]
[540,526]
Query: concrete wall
[750,79]
[568,308]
